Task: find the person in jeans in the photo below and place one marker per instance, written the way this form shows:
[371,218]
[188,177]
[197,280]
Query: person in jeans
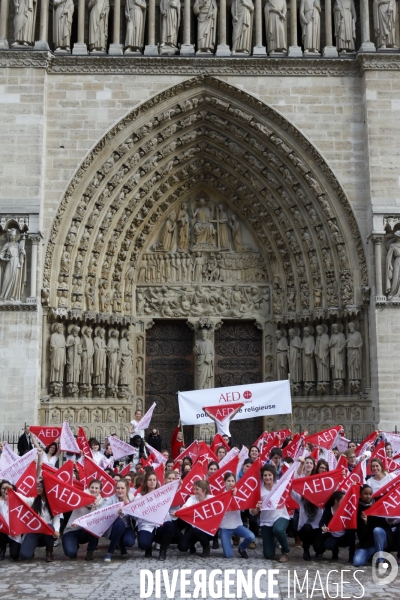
[192,534]
[74,536]
[231,524]
[121,532]
[273,523]
[336,539]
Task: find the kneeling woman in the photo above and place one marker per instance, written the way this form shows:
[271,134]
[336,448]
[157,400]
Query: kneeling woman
[151,532]
[231,524]
[338,539]
[192,535]
[273,523]
[73,535]
[32,540]
[121,531]
[13,542]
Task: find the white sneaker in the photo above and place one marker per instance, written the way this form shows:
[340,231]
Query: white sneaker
[107,558]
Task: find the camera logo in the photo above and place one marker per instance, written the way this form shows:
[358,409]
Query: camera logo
[384,572]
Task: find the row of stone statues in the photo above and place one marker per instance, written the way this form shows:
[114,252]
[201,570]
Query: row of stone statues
[384,14]
[321,359]
[82,361]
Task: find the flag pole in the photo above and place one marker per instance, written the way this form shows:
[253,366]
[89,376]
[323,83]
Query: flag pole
[291,414]
[181,426]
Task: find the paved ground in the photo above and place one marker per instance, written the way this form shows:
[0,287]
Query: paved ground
[120,579]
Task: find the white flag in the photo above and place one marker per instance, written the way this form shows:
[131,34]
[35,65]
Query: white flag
[98,521]
[243,454]
[106,463]
[341,443]
[153,507]
[145,421]
[7,457]
[329,457]
[273,498]
[394,440]
[67,441]
[159,457]
[14,471]
[228,456]
[119,448]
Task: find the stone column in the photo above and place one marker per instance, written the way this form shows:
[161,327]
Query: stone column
[43,42]
[44,349]
[294,50]
[259,49]
[35,239]
[4,24]
[116,47]
[330,51]
[222,48]
[80,46]
[366,44]
[377,240]
[151,48]
[187,49]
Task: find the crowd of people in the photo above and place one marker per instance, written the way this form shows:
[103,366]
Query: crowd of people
[298,517]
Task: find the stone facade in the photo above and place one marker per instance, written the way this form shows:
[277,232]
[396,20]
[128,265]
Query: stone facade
[301,154]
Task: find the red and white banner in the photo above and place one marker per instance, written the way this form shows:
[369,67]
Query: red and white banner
[26,484]
[67,441]
[341,443]
[46,433]
[218,441]
[106,463]
[278,496]
[356,476]
[222,413]
[93,471]
[207,515]
[192,451]
[4,528]
[14,471]
[195,474]
[203,448]
[394,440]
[63,497]
[265,450]
[159,457]
[228,457]
[267,398]
[216,480]
[326,438]
[318,488]
[154,506]
[145,420]
[98,521]
[119,448]
[83,443]
[248,488]
[66,472]
[7,457]
[293,447]
[22,519]
[345,516]
[329,457]
[387,487]
[243,455]
[387,506]
[366,443]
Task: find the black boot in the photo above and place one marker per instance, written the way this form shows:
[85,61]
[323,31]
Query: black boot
[2,553]
[148,553]
[163,553]
[206,551]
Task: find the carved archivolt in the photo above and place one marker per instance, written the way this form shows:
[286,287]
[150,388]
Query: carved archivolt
[200,137]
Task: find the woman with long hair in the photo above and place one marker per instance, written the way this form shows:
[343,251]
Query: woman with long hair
[74,536]
[221,453]
[121,533]
[322,466]
[31,541]
[50,455]
[337,539]
[14,542]
[97,456]
[254,453]
[308,528]
[380,476]
[192,534]
[152,532]
[231,524]
[374,533]
[307,467]
[273,522]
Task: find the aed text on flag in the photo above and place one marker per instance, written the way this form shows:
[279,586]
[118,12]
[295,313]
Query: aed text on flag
[245,409]
[250,583]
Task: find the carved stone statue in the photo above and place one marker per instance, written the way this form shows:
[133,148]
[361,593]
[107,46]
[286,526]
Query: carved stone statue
[237,235]
[204,354]
[242,26]
[24,22]
[322,354]
[98,25]
[135,12]
[206,12]
[167,233]
[183,223]
[385,17]
[87,355]
[308,348]
[204,231]
[310,19]
[354,344]
[170,21]
[62,24]
[100,357]
[13,267]
[113,358]
[337,345]
[295,368]
[223,228]
[275,23]
[281,356]
[393,268]
[345,17]
[74,352]
[126,359]
[57,353]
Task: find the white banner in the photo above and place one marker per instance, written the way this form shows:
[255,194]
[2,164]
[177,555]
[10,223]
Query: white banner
[67,440]
[98,521]
[228,456]
[7,457]
[341,443]
[161,460]
[272,500]
[394,440]
[153,507]
[272,398]
[119,448]
[145,421]
[14,471]
[243,454]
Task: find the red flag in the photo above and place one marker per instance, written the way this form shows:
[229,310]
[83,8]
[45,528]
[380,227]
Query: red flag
[83,443]
[93,471]
[342,462]
[48,469]
[204,448]
[318,488]
[380,452]
[369,440]
[125,470]
[192,451]
[292,448]
[207,515]
[216,480]
[66,472]
[387,487]
[222,411]
[81,471]
[26,484]
[356,476]
[387,506]
[4,525]
[248,491]
[345,516]
[315,454]
[291,505]
[218,441]
[62,496]
[159,471]
[195,474]
[266,448]
[22,519]
[46,433]
[324,439]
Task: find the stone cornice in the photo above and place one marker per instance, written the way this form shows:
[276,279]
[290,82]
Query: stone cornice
[252,67]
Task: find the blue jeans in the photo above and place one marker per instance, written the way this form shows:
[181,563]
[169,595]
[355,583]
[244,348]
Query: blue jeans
[269,534]
[73,539]
[162,535]
[380,543]
[122,535]
[32,541]
[242,532]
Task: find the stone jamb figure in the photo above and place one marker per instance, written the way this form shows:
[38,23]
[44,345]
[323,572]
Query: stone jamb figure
[275,23]
[206,12]
[242,26]
[393,268]
[74,359]
[354,345]
[282,349]
[204,353]
[24,23]
[135,12]
[98,25]
[385,18]
[337,345]
[345,18]
[310,19]
[62,25]
[13,268]
[308,349]
[321,353]
[170,20]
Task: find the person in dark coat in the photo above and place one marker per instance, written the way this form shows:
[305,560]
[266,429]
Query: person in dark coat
[338,539]
[155,440]
[25,441]
[374,533]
